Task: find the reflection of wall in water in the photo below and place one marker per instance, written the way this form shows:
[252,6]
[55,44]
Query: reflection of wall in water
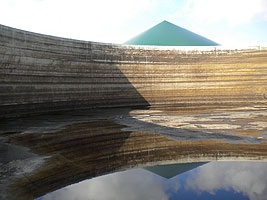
[90,149]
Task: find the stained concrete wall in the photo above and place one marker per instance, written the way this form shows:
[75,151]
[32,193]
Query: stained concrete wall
[40,73]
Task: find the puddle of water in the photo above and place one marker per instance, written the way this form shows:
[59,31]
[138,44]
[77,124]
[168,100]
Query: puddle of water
[87,144]
[235,125]
[202,181]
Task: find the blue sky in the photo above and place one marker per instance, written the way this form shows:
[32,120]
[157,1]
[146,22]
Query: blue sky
[228,22]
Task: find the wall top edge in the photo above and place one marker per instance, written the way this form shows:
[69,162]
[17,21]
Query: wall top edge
[197,48]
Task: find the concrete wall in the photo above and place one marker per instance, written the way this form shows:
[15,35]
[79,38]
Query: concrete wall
[40,73]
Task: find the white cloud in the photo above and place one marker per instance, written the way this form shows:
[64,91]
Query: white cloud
[248,178]
[233,12]
[133,184]
[231,23]
[100,20]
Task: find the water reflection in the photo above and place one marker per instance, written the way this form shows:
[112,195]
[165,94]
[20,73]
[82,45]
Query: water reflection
[172,170]
[83,145]
[248,178]
[214,180]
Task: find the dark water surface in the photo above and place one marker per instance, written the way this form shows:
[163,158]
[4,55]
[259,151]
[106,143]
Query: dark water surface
[213,180]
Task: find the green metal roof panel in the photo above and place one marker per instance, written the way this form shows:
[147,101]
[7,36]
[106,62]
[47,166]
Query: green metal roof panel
[168,34]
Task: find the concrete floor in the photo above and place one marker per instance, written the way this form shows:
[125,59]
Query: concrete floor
[43,153]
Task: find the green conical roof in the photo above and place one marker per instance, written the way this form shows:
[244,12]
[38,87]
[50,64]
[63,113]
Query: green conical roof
[168,34]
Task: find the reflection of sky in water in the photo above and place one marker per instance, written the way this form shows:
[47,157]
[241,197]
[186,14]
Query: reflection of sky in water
[215,180]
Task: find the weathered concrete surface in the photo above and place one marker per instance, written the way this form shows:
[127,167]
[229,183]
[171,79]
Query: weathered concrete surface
[229,124]
[40,73]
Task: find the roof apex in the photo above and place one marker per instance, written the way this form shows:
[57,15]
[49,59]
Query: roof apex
[169,34]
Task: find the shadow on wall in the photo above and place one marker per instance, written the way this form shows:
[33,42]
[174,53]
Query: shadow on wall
[42,73]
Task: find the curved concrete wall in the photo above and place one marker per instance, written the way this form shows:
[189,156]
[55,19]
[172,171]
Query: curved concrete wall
[42,73]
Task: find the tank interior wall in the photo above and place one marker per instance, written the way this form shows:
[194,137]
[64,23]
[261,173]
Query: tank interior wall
[40,73]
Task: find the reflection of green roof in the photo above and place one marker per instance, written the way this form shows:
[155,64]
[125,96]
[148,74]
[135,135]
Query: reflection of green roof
[168,34]
[171,170]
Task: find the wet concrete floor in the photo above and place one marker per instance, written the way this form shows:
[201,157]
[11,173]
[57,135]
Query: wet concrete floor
[44,153]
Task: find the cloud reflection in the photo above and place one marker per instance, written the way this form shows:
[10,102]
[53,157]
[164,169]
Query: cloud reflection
[248,178]
[133,184]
